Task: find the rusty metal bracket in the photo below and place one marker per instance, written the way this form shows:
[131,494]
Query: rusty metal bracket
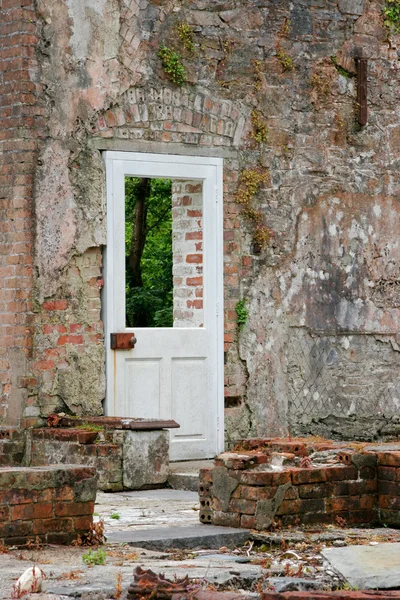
[362,90]
[123,341]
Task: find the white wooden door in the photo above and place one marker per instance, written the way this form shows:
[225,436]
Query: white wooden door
[172,373]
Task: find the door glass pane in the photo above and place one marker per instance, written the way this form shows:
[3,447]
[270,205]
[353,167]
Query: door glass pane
[164,252]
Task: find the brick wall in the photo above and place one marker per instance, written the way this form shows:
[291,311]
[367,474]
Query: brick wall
[53,503]
[187,235]
[22,125]
[242,490]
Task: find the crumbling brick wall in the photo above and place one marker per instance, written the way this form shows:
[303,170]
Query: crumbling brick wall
[271,88]
[22,125]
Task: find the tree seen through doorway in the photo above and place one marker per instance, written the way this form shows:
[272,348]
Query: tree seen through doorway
[148,250]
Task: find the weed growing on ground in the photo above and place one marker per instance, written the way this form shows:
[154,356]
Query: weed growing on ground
[95,557]
[115,516]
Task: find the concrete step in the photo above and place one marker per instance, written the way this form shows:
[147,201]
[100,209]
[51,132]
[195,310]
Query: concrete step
[188,537]
[185,475]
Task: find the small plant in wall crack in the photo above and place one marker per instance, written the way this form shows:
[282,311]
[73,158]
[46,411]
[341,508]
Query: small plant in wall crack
[242,313]
[260,130]
[391,14]
[186,36]
[250,183]
[285,59]
[172,65]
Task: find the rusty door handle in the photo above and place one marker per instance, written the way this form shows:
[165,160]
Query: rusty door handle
[123,341]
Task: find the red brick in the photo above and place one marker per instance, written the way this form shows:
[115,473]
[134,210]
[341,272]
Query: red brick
[239,505]
[367,502]
[345,503]
[367,473]
[256,493]
[32,511]
[389,473]
[341,473]
[300,476]
[55,305]
[391,488]
[70,509]
[389,459]
[248,522]
[268,478]
[194,235]
[289,507]
[192,281]
[83,523]
[315,490]
[18,496]
[226,519]
[51,525]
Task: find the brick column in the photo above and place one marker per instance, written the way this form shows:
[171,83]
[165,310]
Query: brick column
[187,236]
[21,126]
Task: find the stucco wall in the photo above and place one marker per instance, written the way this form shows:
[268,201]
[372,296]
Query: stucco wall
[319,350]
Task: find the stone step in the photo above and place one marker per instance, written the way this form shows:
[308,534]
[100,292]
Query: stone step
[188,537]
[185,475]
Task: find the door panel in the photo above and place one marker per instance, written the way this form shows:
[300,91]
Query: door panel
[171,373]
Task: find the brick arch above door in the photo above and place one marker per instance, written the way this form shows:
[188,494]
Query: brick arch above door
[175,115]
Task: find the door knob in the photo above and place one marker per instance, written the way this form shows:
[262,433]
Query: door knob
[123,341]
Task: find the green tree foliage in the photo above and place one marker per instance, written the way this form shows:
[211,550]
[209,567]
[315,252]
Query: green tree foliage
[149,293]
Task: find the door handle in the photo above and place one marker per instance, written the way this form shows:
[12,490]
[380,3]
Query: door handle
[123,341]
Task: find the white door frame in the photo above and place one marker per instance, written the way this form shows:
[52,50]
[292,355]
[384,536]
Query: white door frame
[210,172]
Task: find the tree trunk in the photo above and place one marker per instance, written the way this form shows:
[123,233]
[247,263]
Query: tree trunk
[139,232]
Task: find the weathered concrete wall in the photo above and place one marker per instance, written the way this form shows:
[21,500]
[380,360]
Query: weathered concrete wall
[319,351]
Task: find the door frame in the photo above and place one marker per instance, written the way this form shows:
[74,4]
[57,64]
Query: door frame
[209,170]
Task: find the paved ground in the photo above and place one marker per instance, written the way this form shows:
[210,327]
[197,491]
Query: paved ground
[260,561]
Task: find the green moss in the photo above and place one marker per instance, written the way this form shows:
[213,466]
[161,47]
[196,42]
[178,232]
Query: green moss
[90,427]
[172,65]
[340,69]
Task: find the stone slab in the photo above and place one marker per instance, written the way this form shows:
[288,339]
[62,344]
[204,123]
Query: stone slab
[190,537]
[367,567]
[292,584]
[184,475]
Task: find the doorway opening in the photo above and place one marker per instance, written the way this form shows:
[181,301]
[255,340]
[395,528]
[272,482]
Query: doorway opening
[164,252]
[163,289]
